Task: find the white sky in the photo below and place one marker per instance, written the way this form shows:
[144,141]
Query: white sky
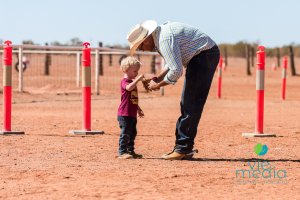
[271,22]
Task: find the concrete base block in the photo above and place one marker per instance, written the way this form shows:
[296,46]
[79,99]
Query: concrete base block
[258,135]
[12,132]
[83,132]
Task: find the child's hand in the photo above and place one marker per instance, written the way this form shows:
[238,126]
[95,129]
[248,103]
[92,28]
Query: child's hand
[140,77]
[141,113]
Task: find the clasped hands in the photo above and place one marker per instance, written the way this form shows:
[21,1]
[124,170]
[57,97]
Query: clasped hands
[150,83]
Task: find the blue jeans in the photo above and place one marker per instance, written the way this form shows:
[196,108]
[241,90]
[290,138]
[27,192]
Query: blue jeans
[128,134]
[198,79]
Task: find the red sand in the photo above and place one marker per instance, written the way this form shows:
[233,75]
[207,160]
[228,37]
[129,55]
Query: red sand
[49,163]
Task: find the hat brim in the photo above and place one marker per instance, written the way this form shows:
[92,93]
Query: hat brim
[134,47]
[150,25]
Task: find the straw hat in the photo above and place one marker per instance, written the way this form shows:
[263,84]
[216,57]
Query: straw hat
[139,33]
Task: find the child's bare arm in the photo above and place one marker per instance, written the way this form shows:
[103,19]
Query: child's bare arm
[132,85]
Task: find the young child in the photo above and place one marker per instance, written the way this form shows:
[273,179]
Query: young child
[129,108]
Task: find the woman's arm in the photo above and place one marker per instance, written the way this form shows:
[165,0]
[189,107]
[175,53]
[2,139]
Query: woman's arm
[162,75]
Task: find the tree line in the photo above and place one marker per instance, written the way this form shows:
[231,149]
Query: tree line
[239,49]
[232,50]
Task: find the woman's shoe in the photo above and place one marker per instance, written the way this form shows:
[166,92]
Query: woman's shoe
[125,156]
[135,155]
[179,156]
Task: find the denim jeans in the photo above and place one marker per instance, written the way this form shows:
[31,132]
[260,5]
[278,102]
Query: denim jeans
[198,79]
[128,134]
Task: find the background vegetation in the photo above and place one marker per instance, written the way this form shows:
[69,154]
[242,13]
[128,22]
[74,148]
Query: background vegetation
[238,49]
[233,50]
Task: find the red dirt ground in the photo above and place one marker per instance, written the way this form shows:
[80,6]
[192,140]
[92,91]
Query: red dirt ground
[49,163]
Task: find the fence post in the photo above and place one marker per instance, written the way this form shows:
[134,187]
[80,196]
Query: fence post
[78,69]
[153,71]
[247,51]
[110,59]
[97,71]
[293,69]
[278,56]
[47,62]
[20,69]
[225,56]
[252,56]
[100,61]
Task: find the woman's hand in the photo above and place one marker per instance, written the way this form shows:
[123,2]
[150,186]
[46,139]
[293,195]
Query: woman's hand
[153,85]
[147,79]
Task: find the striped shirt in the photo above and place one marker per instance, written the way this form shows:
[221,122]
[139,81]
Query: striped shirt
[178,43]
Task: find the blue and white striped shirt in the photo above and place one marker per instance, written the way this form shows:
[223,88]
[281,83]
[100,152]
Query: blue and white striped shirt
[178,43]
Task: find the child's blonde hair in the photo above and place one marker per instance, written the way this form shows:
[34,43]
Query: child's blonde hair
[128,62]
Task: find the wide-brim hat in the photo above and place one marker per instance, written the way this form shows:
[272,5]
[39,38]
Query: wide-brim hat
[139,33]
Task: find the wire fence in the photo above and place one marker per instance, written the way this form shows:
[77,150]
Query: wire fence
[58,69]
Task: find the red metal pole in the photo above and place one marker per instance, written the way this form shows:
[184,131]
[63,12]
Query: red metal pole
[220,77]
[284,72]
[86,93]
[86,86]
[7,82]
[260,87]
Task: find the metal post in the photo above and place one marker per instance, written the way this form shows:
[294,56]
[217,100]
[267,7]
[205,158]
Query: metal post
[284,72]
[260,90]
[7,89]
[86,93]
[220,78]
[260,93]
